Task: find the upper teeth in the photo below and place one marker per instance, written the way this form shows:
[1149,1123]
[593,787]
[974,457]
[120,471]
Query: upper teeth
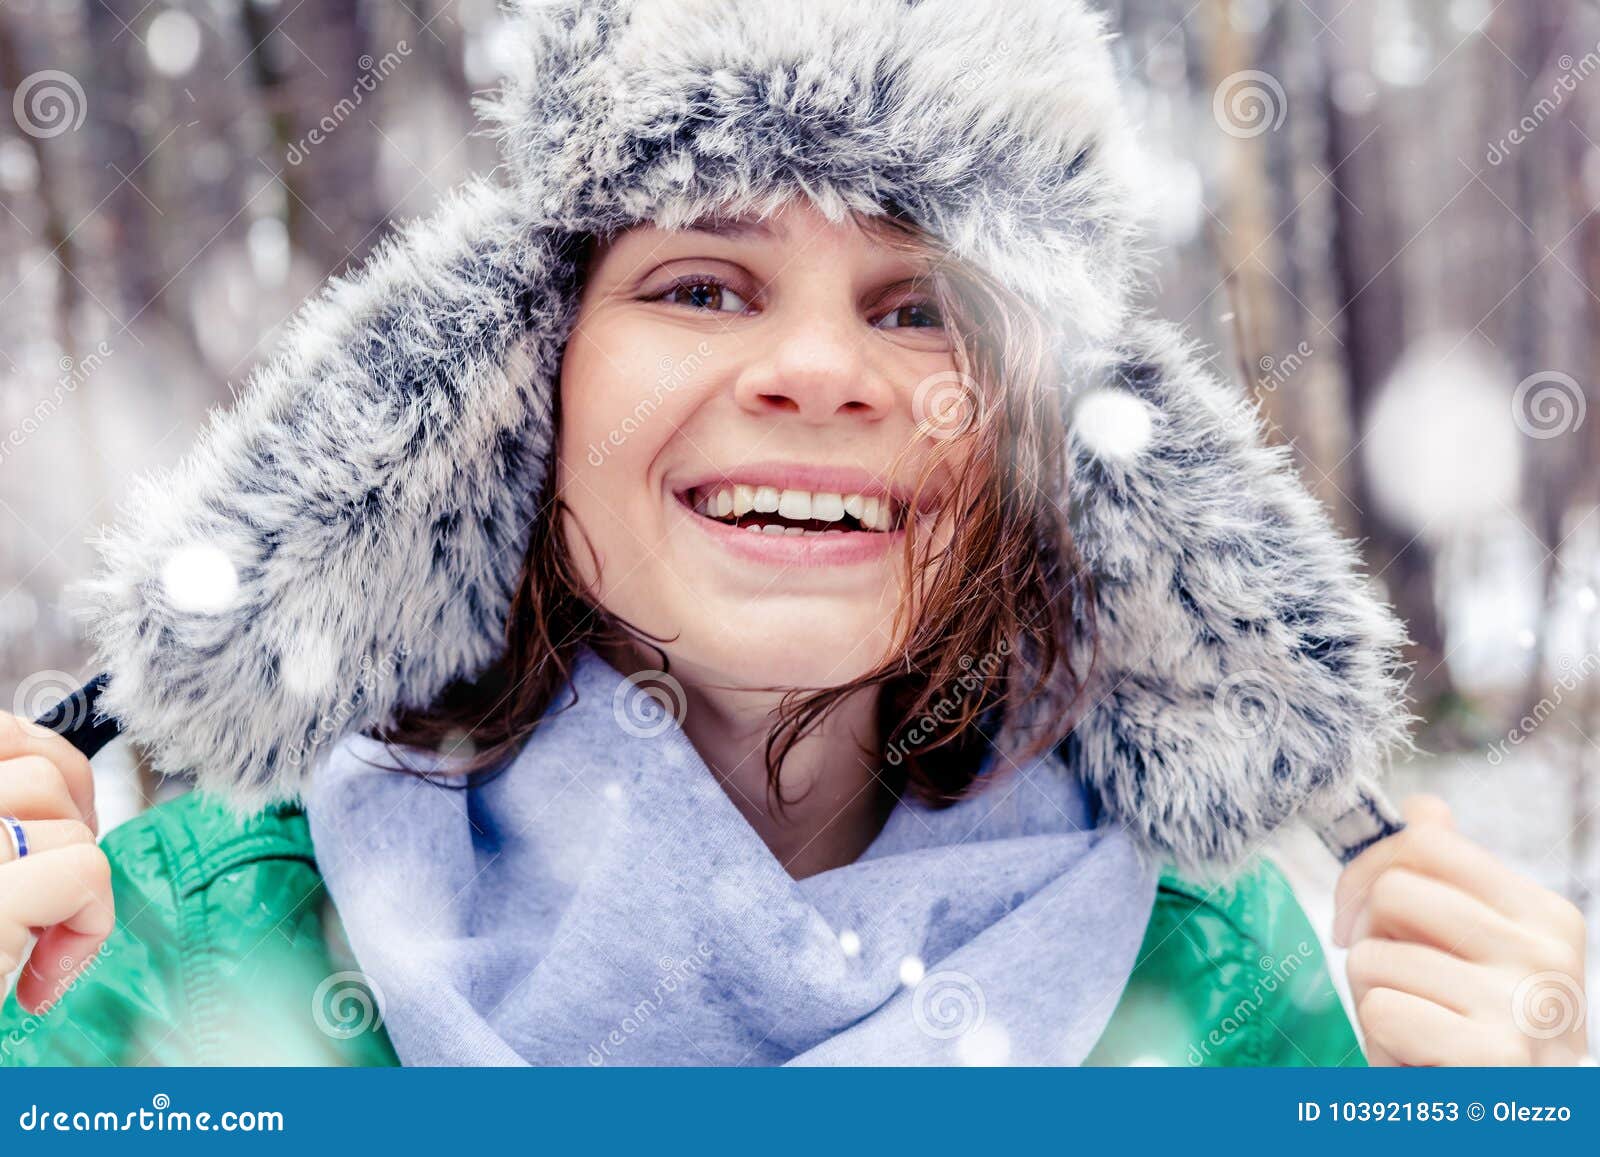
[874,512]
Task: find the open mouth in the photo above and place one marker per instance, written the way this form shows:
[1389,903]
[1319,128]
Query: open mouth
[769,510]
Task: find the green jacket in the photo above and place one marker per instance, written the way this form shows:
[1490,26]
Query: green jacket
[228,951]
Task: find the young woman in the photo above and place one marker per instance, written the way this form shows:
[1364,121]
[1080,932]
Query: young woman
[750,590]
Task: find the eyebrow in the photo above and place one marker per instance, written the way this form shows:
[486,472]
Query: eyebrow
[730,227]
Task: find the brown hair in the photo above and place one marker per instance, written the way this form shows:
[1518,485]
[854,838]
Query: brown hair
[988,629]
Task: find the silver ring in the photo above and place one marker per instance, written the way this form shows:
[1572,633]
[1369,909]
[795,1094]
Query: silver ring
[19,838]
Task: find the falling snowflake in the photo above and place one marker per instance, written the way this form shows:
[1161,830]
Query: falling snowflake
[1113,424]
[200,579]
[987,1044]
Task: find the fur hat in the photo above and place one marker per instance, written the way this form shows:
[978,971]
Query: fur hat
[357,521]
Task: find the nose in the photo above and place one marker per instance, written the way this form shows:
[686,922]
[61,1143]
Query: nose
[816,368]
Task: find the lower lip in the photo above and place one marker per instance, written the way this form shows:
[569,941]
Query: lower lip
[839,548]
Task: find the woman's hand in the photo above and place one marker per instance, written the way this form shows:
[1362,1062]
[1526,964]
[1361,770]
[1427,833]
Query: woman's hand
[1455,959]
[62,888]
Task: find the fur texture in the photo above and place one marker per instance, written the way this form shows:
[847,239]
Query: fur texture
[372,488]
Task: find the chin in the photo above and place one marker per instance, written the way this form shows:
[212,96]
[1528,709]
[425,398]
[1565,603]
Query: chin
[787,650]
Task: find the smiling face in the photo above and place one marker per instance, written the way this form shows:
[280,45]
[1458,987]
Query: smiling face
[740,444]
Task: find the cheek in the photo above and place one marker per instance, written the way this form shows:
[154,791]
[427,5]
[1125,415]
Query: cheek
[615,419]
[602,387]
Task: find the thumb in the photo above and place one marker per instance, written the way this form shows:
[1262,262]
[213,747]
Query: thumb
[1426,810]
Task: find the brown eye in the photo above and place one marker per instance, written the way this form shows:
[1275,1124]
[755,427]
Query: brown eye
[914,316]
[709,295]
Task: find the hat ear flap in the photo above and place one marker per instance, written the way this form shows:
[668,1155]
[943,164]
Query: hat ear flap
[350,532]
[1245,672]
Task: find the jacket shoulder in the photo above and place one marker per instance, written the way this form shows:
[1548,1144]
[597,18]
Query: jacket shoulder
[202,841]
[225,943]
[1229,974]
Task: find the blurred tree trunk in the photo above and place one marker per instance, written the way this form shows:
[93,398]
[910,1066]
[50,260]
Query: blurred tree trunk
[437,36]
[314,64]
[1371,318]
[1309,366]
[1242,234]
[131,255]
[55,239]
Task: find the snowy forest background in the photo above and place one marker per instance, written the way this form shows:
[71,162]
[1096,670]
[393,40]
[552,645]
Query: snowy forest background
[1380,214]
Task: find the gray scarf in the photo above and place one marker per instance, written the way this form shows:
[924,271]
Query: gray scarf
[603,901]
